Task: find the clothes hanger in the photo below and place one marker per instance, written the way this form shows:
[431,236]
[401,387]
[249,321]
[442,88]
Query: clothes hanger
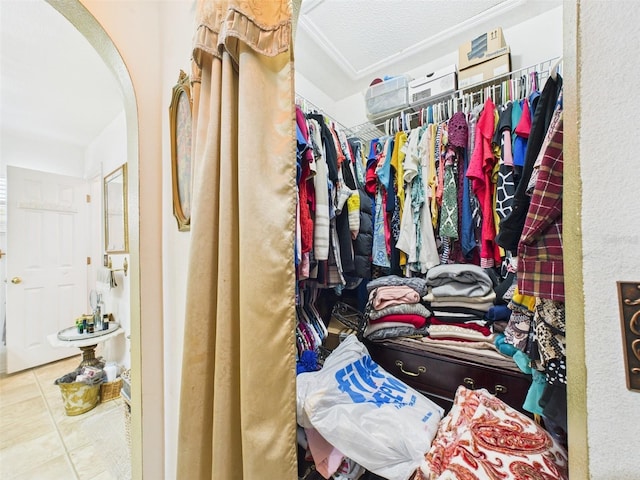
[555,68]
[316,313]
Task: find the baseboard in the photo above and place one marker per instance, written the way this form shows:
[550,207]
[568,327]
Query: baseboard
[3,359]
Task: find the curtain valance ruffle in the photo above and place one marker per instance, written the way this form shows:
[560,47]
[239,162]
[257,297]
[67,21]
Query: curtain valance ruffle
[264,26]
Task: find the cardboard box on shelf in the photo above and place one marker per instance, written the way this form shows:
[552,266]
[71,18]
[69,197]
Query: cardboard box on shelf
[485,71]
[484,47]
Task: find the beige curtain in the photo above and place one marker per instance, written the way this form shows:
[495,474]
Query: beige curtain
[238,396]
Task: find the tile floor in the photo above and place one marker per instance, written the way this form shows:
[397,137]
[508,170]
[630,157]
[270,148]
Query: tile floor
[39,441]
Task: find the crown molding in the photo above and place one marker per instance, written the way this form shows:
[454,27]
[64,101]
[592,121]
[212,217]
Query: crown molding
[460,30]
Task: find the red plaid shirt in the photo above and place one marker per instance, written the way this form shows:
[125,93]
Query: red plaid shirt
[540,268]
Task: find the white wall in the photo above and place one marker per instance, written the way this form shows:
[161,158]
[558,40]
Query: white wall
[107,152]
[47,154]
[608,68]
[177,17]
[528,47]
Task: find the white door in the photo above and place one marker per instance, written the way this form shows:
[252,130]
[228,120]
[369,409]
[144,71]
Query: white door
[46,263]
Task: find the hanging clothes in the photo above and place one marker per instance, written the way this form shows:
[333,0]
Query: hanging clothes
[321,225]
[449,209]
[505,188]
[480,171]
[540,264]
[416,236]
[305,183]
[511,227]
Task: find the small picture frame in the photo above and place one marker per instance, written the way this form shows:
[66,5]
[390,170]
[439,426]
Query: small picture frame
[180,124]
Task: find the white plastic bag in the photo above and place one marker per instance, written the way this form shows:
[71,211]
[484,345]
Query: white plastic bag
[369,415]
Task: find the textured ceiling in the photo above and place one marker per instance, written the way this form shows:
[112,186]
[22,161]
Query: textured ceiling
[53,82]
[342,45]
[362,35]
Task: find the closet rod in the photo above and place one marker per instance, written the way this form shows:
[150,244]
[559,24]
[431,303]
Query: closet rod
[543,68]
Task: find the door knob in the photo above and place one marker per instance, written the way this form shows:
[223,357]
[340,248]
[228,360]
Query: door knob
[16,280]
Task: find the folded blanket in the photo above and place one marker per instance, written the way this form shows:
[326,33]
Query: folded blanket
[415,308]
[383,297]
[432,297]
[460,310]
[481,328]
[396,326]
[374,327]
[415,320]
[397,332]
[451,317]
[480,307]
[454,331]
[417,283]
[459,279]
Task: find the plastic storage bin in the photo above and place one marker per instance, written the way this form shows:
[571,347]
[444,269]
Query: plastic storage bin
[386,97]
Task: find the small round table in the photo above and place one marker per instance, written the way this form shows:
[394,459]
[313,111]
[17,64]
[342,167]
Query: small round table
[86,342]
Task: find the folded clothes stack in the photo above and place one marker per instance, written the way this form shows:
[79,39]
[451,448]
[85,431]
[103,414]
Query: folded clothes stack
[394,308]
[459,297]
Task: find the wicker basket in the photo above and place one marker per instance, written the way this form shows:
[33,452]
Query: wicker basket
[127,419]
[110,390]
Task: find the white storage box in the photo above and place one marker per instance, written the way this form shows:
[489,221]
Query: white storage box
[387,97]
[433,84]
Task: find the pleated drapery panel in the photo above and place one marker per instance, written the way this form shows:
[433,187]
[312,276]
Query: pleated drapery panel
[238,395]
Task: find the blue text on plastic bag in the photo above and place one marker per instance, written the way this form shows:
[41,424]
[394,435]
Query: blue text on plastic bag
[364,381]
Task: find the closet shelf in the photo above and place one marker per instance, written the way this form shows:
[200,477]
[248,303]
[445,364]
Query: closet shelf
[369,130]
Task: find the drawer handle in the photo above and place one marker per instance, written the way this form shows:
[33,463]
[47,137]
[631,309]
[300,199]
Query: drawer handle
[469,382]
[421,369]
[500,389]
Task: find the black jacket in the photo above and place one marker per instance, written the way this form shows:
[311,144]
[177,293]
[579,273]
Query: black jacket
[511,227]
[363,244]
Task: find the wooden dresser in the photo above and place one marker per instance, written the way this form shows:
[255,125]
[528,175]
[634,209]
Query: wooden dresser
[437,373]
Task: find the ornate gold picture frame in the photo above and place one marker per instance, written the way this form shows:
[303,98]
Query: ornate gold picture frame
[180,122]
